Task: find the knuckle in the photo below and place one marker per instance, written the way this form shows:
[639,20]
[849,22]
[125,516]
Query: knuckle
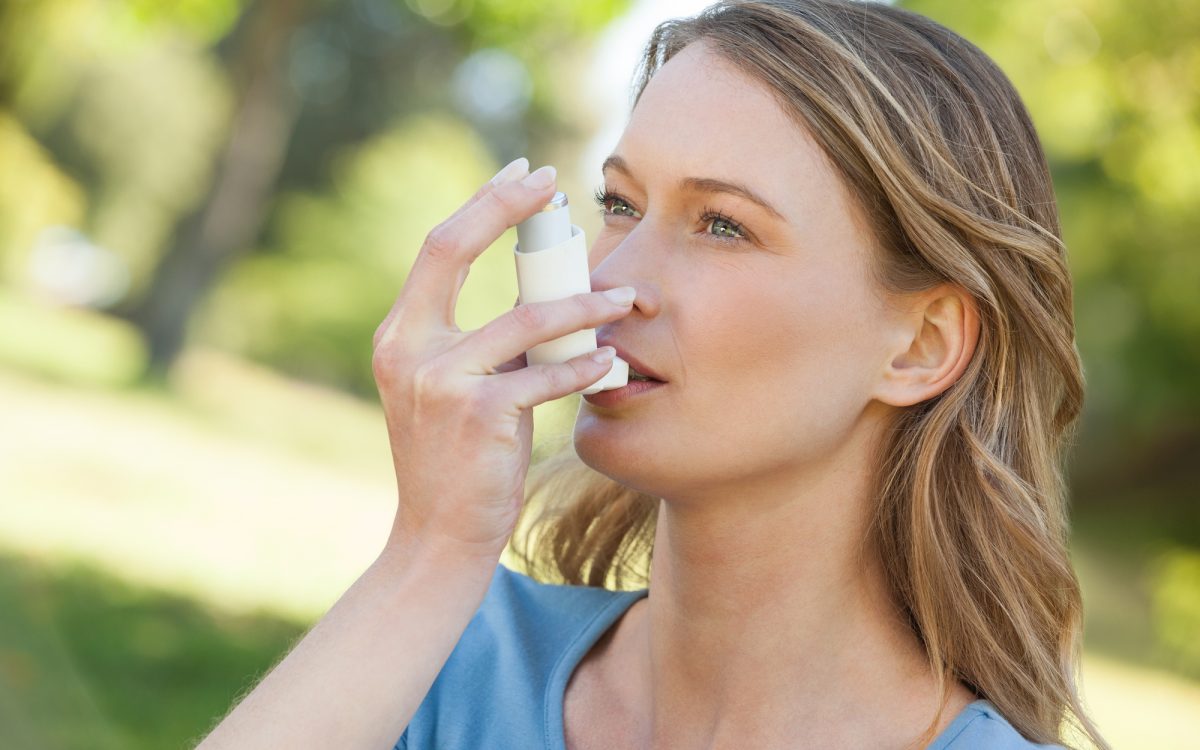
[387,363]
[441,243]
[483,190]
[529,316]
[580,371]
[390,343]
[587,305]
[429,382]
[380,330]
[556,377]
[501,199]
[383,367]
[478,403]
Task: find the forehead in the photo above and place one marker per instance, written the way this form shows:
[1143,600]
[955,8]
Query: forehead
[701,116]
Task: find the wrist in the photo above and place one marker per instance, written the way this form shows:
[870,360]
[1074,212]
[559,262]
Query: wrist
[406,551]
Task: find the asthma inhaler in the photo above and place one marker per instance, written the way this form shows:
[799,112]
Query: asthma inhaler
[552,263]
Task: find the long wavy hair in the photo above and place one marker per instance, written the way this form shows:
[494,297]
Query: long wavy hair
[970,518]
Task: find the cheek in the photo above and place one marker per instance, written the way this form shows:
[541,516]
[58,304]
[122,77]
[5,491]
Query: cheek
[782,357]
[773,329]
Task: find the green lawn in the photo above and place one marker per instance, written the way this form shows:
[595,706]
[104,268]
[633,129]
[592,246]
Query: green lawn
[88,660]
[159,551]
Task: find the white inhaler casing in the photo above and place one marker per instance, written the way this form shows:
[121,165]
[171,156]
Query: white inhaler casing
[552,263]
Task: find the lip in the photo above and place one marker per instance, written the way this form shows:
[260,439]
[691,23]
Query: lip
[633,361]
[618,396]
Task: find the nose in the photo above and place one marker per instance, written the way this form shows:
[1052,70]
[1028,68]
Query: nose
[629,263]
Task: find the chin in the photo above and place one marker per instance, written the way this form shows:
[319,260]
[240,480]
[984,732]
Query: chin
[615,448]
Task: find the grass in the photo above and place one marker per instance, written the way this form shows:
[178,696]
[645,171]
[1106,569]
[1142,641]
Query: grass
[90,661]
[167,494]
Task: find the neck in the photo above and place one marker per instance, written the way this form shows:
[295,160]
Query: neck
[768,613]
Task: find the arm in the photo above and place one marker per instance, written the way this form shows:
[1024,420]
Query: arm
[356,679]
[459,411]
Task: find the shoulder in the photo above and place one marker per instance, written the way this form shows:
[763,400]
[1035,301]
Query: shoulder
[492,690]
[981,727]
[514,596]
[523,625]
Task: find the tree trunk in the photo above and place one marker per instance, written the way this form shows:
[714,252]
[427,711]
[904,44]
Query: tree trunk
[230,218]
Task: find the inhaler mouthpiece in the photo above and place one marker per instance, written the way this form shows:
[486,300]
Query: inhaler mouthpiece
[552,263]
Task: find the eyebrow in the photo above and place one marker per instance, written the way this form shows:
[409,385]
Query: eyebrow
[702,184]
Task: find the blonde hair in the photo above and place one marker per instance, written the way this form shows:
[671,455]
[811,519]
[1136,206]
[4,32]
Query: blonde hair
[970,522]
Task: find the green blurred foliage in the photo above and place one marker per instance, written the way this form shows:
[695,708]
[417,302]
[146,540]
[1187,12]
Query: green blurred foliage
[68,345]
[147,124]
[34,193]
[208,20]
[1176,601]
[533,26]
[1114,90]
[125,108]
[310,303]
[133,112]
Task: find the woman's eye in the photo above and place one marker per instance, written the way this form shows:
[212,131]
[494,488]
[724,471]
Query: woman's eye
[724,227]
[604,198]
[719,226]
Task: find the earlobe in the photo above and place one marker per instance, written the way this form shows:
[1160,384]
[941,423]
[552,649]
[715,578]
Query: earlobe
[939,338]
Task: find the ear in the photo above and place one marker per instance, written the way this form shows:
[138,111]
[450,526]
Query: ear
[936,337]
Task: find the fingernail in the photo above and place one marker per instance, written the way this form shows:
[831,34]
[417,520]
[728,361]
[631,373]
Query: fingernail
[622,295]
[541,178]
[603,354]
[515,169]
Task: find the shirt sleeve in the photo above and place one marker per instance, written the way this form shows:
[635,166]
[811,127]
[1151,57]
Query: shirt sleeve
[987,732]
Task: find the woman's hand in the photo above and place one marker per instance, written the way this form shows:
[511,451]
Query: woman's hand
[459,405]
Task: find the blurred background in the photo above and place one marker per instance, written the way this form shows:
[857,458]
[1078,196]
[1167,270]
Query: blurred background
[206,207]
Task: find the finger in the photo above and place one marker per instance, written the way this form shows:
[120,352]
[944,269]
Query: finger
[433,284]
[516,363]
[538,384]
[514,170]
[526,326]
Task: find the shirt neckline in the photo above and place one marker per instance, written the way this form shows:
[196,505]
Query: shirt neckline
[598,625]
[556,688]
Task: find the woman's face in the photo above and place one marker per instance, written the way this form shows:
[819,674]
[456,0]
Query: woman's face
[764,322]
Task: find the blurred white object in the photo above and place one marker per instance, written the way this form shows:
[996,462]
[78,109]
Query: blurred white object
[66,266]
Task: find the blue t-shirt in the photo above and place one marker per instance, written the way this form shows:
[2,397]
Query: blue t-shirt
[503,684]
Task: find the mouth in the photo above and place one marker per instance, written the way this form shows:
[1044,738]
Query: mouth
[633,392]
[638,370]
[635,375]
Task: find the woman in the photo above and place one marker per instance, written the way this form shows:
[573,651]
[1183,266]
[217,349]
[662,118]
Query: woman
[841,233]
